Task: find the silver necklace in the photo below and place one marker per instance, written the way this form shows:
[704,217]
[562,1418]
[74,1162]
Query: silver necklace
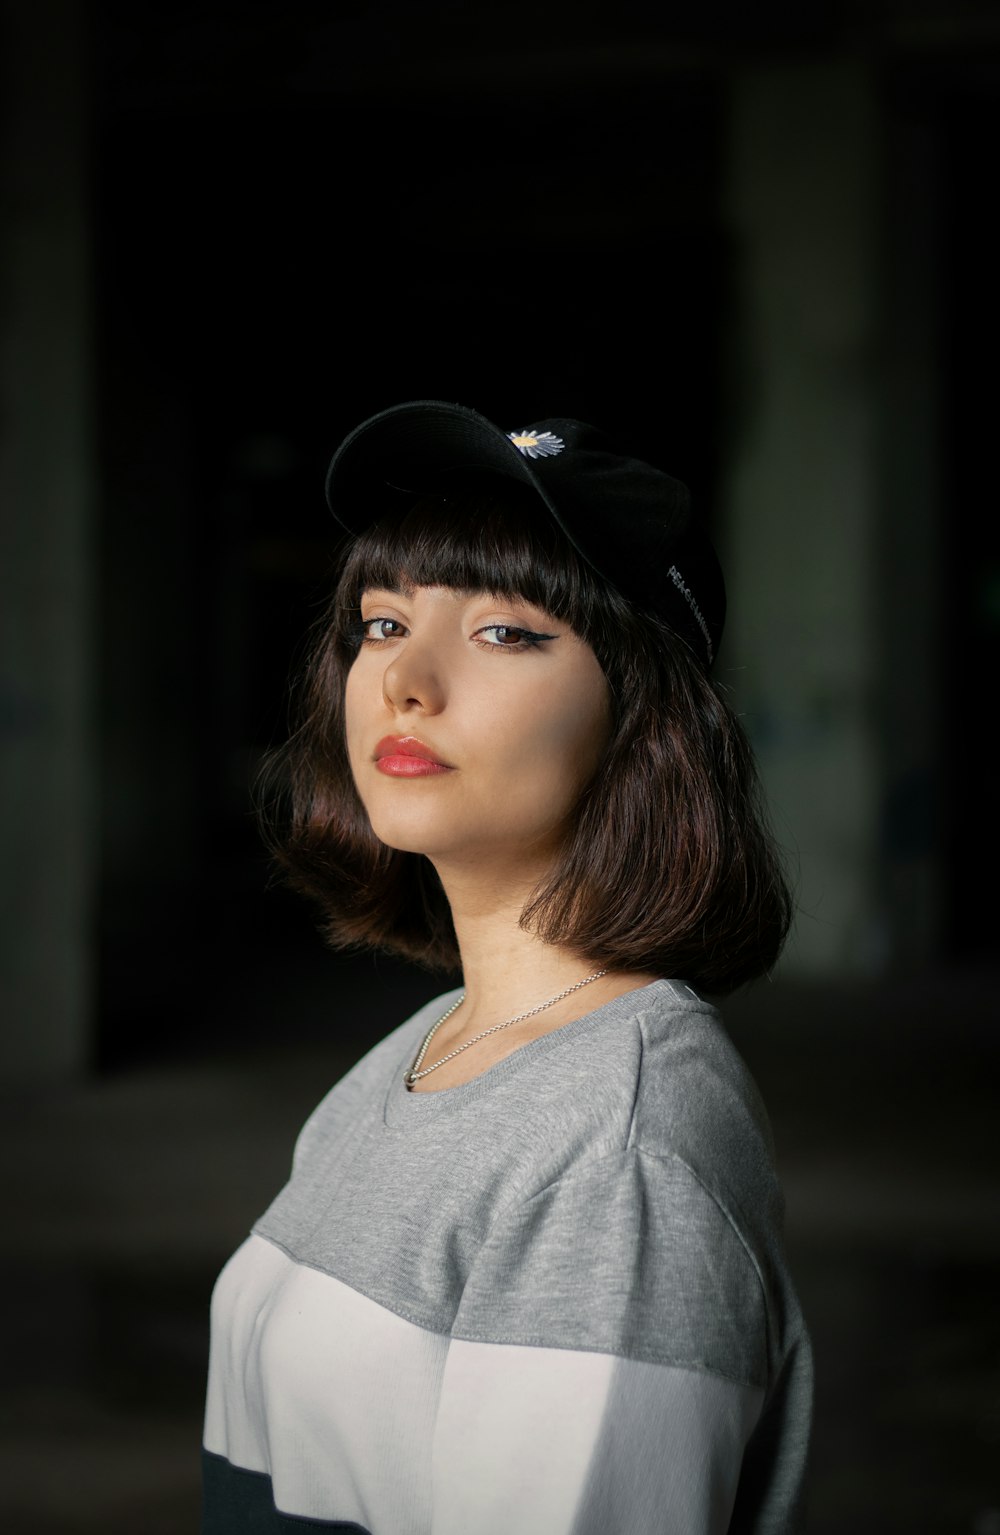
[414,1074]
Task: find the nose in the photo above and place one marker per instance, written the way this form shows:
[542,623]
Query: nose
[413,679]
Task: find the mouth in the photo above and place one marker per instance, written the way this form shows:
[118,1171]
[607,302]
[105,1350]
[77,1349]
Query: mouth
[406,757]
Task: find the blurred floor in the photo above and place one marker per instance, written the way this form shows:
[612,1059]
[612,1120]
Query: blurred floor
[126,1195]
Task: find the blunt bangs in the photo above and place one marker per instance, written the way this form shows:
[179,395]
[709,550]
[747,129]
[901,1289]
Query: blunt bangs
[480,536]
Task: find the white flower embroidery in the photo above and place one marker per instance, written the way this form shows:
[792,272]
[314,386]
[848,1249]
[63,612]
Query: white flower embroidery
[537,444]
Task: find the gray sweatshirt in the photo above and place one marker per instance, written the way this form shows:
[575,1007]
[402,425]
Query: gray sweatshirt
[551,1301]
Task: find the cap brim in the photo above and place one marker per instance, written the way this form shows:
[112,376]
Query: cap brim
[407,449]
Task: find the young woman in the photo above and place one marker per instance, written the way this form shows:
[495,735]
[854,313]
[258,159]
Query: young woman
[527,1275]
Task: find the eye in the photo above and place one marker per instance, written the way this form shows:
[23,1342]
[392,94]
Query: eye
[509,637]
[374,630]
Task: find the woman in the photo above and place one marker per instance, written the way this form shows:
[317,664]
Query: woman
[527,1274]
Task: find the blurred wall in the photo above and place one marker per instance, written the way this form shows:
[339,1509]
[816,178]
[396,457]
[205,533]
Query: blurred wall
[802,496]
[48,770]
[835,501]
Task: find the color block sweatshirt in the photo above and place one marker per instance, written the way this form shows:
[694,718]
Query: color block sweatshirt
[551,1301]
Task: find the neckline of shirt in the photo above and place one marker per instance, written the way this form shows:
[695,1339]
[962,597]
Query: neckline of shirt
[404,1107]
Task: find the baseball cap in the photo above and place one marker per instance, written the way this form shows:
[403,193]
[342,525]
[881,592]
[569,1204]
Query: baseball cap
[629,520]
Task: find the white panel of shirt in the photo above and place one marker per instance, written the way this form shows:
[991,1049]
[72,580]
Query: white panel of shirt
[358,1414]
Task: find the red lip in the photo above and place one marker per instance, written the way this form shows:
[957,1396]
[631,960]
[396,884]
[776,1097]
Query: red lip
[406,757]
[406,746]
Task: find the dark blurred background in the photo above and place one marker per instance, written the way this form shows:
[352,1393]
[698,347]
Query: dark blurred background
[762,248]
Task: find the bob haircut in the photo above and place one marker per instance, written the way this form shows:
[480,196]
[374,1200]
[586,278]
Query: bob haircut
[668,866]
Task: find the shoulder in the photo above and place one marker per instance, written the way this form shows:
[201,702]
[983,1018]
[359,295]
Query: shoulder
[687,1069]
[655,1071]
[697,1102]
[698,1116]
[649,1211]
[626,1254]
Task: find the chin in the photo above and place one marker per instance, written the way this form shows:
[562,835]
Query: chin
[408,834]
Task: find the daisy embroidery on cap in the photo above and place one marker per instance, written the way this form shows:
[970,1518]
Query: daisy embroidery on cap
[537,444]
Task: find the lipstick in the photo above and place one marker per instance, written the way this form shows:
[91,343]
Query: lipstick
[406,757]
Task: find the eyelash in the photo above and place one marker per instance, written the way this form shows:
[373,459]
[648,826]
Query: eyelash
[528,641]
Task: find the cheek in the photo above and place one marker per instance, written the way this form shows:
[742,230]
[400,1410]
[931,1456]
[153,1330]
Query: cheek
[355,693]
[584,734]
[566,739]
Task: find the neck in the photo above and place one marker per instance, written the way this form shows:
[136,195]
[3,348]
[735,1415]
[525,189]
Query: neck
[507,972]
[505,969]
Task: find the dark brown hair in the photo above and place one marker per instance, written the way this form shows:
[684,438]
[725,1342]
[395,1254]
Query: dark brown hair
[669,867]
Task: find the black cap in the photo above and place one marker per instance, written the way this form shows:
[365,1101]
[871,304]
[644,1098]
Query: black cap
[632,522]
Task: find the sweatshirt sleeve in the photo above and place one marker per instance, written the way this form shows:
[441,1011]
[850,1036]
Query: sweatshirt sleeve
[607,1364]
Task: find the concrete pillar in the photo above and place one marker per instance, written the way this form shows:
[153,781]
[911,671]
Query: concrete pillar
[46,550]
[799,494]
